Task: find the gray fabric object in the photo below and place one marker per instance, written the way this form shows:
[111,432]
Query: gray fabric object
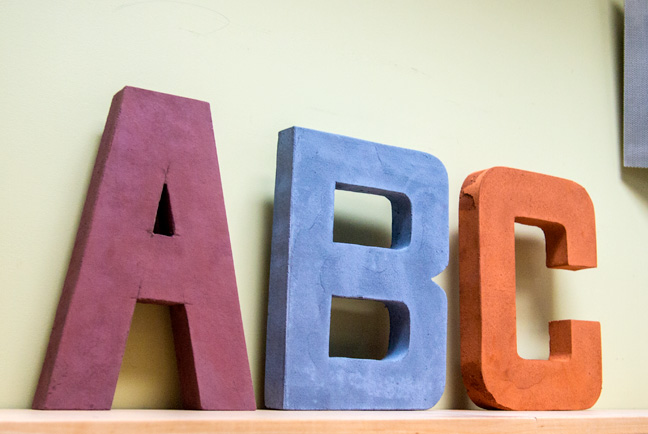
[635,87]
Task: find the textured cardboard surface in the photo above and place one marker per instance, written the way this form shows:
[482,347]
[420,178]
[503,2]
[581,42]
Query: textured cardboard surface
[635,84]
[307,269]
[494,374]
[154,230]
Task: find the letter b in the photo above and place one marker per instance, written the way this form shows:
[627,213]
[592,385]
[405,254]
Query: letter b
[308,269]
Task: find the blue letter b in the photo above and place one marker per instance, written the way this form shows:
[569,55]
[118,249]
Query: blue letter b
[308,269]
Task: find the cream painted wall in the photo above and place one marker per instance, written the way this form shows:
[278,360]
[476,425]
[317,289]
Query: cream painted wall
[532,84]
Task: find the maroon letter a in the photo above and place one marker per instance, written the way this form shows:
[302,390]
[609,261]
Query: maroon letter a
[153,230]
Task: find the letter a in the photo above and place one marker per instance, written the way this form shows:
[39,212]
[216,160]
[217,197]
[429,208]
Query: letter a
[493,372]
[308,269]
[153,230]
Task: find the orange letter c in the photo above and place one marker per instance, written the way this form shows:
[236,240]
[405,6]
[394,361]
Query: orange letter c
[494,374]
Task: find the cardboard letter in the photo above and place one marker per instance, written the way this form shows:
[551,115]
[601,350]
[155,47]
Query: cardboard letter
[308,269]
[494,374]
[153,230]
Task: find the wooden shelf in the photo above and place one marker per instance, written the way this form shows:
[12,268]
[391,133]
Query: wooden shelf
[338,422]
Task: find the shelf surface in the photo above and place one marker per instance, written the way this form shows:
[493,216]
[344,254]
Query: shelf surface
[338,422]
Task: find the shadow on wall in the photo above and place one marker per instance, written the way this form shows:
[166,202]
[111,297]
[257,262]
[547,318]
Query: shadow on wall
[635,178]
[534,284]
[266,242]
[455,392]
[347,230]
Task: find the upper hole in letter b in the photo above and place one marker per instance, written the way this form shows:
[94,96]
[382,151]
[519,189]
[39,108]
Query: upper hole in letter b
[371,217]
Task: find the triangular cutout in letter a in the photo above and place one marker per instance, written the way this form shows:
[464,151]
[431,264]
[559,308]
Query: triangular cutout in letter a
[164,217]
